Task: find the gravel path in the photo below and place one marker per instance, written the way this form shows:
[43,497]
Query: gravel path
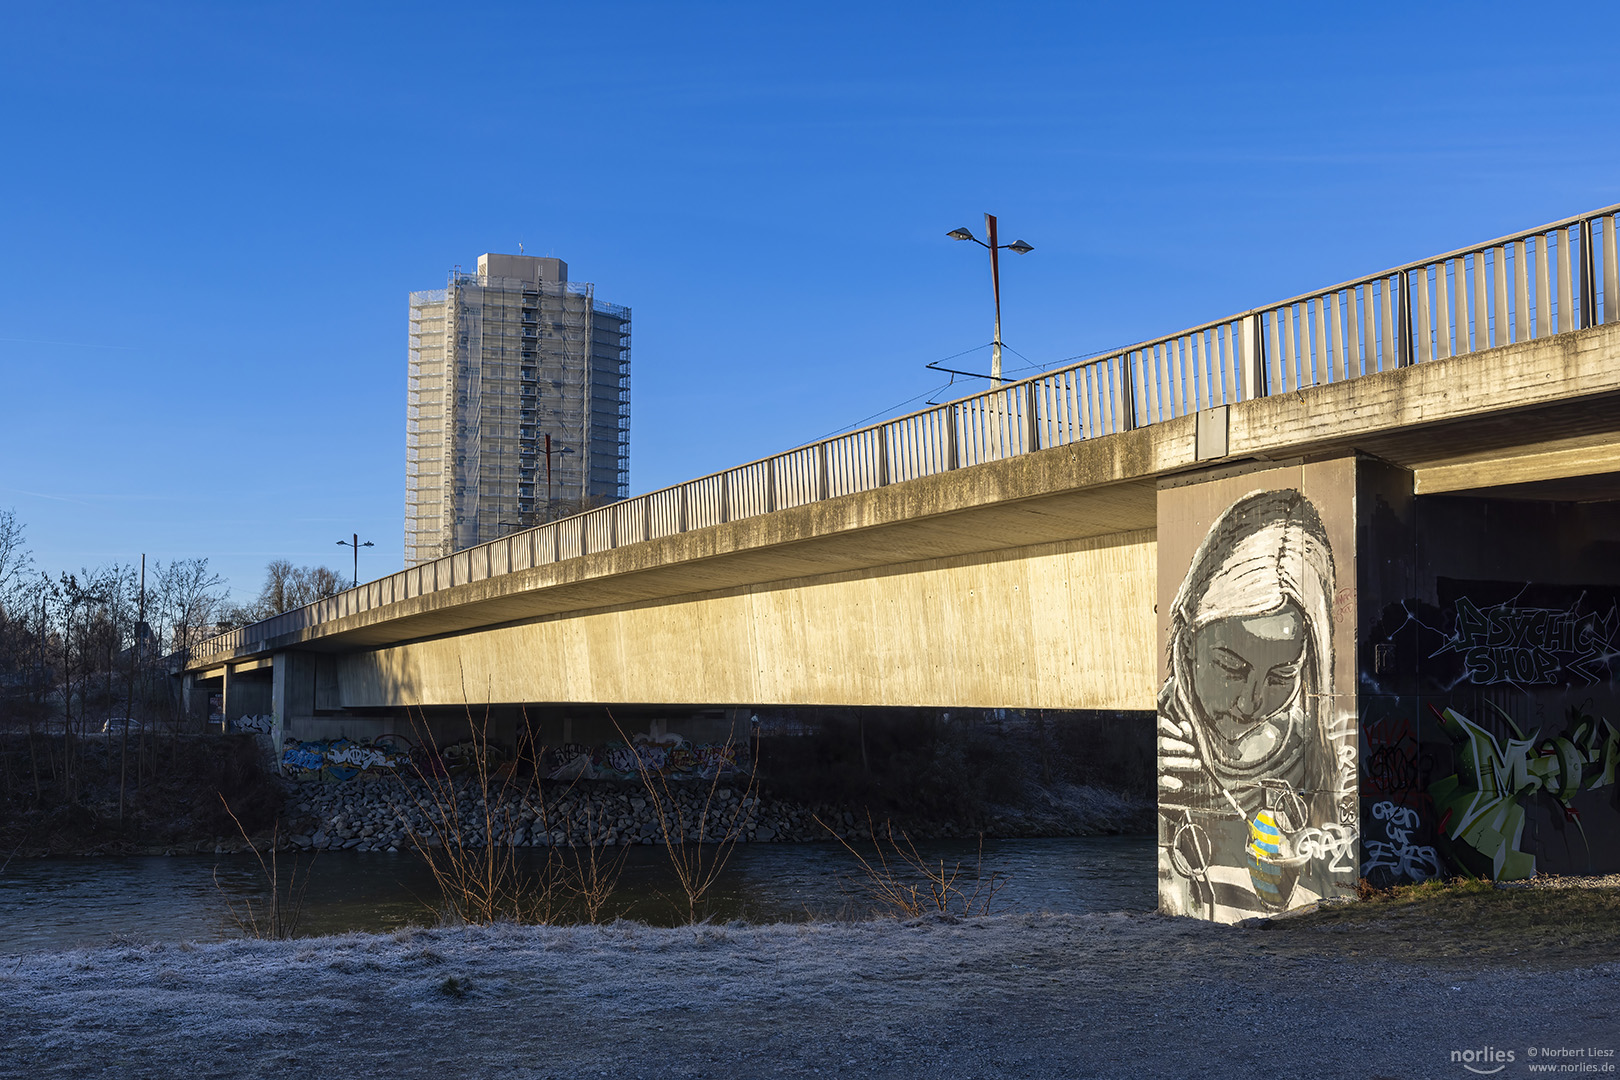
[1549,881]
[1118,995]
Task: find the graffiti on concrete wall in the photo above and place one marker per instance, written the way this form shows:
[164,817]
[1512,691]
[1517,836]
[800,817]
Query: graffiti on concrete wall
[1390,763]
[387,755]
[1257,794]
[1525,645]
[670,756]
[1482,805]
[343,759]
[1496,739]
[1396,855]
[1397,814]
[1531,635]
[259,724]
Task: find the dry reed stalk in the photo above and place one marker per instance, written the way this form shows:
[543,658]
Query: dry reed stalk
[696,869]
[934,888]
[281,917]
[472,854]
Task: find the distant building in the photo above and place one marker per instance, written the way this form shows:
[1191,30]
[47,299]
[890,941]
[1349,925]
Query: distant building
[500,360]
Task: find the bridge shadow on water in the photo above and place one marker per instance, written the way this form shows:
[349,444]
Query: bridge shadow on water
[63,903]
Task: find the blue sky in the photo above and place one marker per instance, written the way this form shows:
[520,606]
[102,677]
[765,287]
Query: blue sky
[211,214]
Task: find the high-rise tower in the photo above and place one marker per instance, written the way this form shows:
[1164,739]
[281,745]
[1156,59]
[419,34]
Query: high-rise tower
[504,364]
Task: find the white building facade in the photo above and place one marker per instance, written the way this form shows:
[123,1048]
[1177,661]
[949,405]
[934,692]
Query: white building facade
[506,363]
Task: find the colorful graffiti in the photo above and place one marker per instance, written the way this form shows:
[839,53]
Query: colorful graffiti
[1257,794]
[671,756]
[343,759]
[1481,806]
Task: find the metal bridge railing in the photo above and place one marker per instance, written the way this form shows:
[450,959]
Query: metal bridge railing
[1548,280]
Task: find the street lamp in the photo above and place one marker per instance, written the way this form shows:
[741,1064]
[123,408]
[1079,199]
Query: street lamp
[551,500]
[995,281]
[357,545]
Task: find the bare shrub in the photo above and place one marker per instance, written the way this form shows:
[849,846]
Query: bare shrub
[589,875]
[471,850]
[696,860]
[901,881]
[278,918]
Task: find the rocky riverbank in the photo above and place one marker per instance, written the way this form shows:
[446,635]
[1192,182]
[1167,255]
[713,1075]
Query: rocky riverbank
[382,815]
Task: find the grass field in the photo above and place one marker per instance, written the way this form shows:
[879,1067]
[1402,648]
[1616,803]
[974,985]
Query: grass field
[1468,922]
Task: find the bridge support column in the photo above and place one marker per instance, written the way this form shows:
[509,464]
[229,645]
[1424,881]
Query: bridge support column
[306,698]
[1267,577]
[292,695]
[196,696]
[247,693]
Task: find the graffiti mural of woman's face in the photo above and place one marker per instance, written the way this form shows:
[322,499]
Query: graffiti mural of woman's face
[1246,671]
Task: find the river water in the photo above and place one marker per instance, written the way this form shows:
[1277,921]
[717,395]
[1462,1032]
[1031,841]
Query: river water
[66,902]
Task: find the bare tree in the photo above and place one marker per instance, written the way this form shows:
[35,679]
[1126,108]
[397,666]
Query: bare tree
[287,587]
[190,596]
[15,559]
[186,597]
[275,596]
[321,582]
[21,672]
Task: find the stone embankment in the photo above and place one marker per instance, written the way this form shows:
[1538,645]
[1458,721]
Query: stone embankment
[383,815]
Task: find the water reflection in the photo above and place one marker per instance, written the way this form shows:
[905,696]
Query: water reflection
[59,903]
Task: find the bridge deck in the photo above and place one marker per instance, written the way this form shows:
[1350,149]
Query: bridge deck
[1544,409]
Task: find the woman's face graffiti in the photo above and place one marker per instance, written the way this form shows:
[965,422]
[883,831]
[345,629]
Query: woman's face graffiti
[1245,672]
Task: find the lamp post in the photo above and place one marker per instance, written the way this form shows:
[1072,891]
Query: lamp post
[355,543]
[995,281]
[551,499]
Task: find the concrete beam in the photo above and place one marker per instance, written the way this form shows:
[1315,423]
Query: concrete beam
[1065,625]
[1558,459]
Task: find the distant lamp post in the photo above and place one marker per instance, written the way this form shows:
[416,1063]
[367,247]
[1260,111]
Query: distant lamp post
[357,545]
[1017,246]
[551,495]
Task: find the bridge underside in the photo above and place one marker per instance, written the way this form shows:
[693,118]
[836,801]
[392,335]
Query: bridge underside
[1059,625]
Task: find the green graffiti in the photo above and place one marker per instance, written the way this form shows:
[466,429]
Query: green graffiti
[1481,805]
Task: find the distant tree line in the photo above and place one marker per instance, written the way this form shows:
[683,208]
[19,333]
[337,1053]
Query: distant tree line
[108,641]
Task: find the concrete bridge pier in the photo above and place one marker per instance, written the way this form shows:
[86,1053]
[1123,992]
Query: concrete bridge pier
[306,697]
[247,690]
[1268,577]
[1370,672]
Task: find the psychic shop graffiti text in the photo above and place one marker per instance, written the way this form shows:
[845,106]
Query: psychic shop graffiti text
[1531,646]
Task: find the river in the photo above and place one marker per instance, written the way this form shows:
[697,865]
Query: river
[61,903]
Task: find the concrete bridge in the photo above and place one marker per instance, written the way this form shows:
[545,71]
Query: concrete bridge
[998,550]
[1425,457]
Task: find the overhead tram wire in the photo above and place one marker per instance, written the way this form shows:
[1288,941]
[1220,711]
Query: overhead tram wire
[885,412]
[900,405]
[1027,365]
